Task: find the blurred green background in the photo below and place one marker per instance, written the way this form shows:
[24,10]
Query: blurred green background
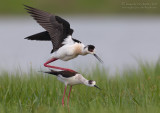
[83,6]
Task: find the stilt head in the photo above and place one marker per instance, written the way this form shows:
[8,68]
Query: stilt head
[92,83]
[90,49]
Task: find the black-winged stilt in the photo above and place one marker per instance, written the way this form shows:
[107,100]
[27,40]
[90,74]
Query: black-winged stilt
[71,78]
[58,31]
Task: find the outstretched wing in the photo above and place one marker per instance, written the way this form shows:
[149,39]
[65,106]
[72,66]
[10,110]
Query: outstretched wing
[57,27]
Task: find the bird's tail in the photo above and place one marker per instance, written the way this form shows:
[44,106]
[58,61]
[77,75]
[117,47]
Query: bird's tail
[53,72]
[42,36]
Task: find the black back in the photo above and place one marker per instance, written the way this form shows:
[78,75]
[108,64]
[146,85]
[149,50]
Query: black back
[65,74]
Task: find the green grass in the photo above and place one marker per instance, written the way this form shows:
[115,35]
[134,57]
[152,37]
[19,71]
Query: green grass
[132,91]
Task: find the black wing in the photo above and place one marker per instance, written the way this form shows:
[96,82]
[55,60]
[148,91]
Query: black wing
[57,27]
[65,74]
[75,40]
[42,36]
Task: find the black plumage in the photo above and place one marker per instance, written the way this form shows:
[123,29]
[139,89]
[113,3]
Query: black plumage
[42,36]
[56,27]
[65,74]
[75,40]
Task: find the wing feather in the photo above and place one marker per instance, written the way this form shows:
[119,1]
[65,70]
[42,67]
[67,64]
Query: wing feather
[57,27]
[65,74]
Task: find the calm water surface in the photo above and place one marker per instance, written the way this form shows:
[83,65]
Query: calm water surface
[118,40]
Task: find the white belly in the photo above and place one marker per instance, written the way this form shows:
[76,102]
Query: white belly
[68,57]
[67,52]
[69,81]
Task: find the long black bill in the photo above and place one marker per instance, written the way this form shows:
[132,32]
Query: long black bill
[98,58]
[97,87]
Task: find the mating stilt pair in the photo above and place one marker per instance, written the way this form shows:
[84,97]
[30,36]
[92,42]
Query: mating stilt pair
[65,47]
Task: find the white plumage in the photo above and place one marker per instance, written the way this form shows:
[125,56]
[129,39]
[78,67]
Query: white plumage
[69,50]
[74,80]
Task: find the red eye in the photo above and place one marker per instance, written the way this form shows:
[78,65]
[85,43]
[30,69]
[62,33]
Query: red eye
[90,81]
[91,50]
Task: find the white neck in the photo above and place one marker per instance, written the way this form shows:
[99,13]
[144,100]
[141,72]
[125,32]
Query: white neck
[84,51]
[83,80]
[79,49]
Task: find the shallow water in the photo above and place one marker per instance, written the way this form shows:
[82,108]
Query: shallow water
[119,42]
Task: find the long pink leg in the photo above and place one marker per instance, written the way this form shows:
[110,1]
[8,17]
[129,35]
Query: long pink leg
[63,96]
[52,60]
[69,95]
